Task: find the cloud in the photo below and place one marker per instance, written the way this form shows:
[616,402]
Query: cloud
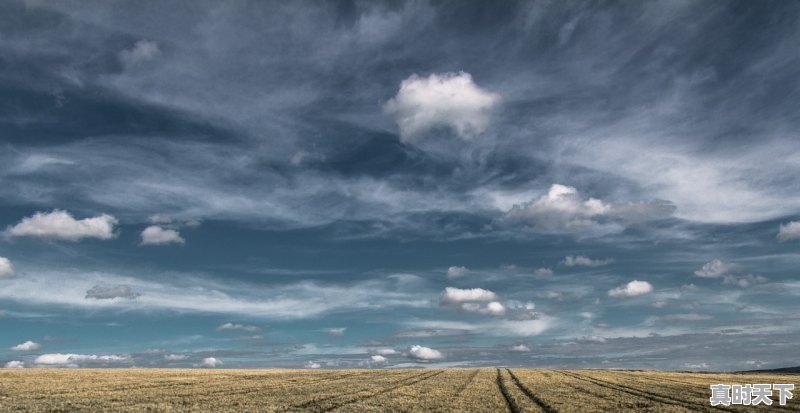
[456,272]
[175,357]
[543,272]
[452,295]
[789,231]
[210,362]
[238,327]
[564,210]
[336,332]
[27,346]
[673,318]
[631,289]
[449,100]
[378,359]
[156,235]
[6,268]
[60,225]
[57,359]
[424,353]
[743,281]
[141,52]
[15,364]
[520,348]
[581,261]
[386,351]
[494,308]
[99,292]
[313,365]
[715,269]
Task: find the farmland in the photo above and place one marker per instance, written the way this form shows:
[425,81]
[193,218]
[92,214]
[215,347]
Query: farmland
[422,390]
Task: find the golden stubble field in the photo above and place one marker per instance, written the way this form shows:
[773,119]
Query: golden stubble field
[418,390]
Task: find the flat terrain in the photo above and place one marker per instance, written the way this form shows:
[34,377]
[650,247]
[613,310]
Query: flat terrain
[421,390]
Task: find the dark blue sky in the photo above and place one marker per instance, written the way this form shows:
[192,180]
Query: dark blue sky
[389,184]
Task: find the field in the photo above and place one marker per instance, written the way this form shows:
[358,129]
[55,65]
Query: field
[421,390]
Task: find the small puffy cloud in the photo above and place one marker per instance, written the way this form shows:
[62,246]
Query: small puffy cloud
[543,272]
[378,359]
[6,268]
[386,351]
[99,292]
[210,362]
[175,357]
[424,353]
[563,210]
[631,289]
[456,272]
[237,327]
[336,332]
[581,261]
[452,295]
[313,365]
[15,364]
[789,231]
[494,308]
[520,348]
[58,359]
[715,269]
[156,235]
[61,225]
[141,52]
[448,100]
[27,346]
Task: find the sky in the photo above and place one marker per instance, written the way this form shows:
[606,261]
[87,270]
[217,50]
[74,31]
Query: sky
[362,184]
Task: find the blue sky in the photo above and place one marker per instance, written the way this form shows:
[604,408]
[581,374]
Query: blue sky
[392,184]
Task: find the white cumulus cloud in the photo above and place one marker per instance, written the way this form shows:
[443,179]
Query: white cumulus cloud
[563,210]
[210,362]
[455,272]
[6,268]
[313,365]
[156,235]
[15,364]
[714,269]
[61,225]
[631,289]
[378,359]
[386,351]
[424,353]
[27,346]
[789,231]
[58,359]
[452,295]
[450,100]
[521,348]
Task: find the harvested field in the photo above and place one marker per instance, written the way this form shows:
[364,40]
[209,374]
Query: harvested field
[420,390]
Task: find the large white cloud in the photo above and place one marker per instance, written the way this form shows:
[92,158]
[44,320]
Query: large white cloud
[631,289]
[156,235]
[424,353]
[451,100]
[27,346]
[59,359]
[789,231]
[6,268]
[563,210]
[452,295]
[62,225]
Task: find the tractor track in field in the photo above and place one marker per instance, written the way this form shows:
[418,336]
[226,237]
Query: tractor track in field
[546,407]
[464,386]
[654,397]
[511,404]
[310,405]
